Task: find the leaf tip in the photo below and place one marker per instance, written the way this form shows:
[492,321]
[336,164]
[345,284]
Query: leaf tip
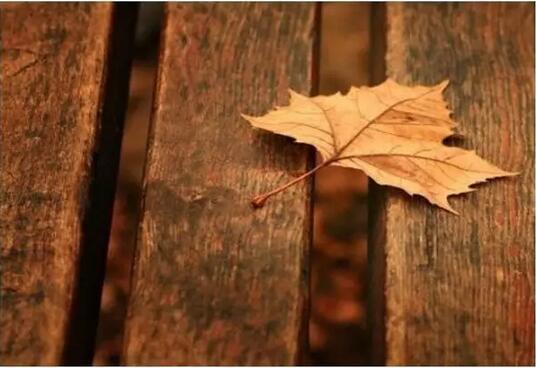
[454,212]
[443,85]
[444,204]
[447,207]
[294,93]
[503,174]
[512,173]
[249,118]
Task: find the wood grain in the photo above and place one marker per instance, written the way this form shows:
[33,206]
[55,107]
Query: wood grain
[216,282]
[62,97]
[460,290]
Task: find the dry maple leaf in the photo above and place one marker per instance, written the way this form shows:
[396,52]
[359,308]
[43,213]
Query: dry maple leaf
[393,133]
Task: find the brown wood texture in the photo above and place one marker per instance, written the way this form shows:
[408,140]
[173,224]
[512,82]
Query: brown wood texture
[376,200]
[460,289]
[216,282]
[62,97]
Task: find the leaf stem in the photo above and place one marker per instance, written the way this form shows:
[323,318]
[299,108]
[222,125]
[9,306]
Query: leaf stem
[260,200]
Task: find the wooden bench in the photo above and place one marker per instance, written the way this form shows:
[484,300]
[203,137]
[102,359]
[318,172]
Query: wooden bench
[214,281]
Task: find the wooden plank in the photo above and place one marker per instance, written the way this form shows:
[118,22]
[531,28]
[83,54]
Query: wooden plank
[62,100]
[376,202]
[215,281]
[460,290]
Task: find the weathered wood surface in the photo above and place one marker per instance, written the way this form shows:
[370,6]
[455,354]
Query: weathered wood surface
[216,282]
[60,132]
[460,290]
